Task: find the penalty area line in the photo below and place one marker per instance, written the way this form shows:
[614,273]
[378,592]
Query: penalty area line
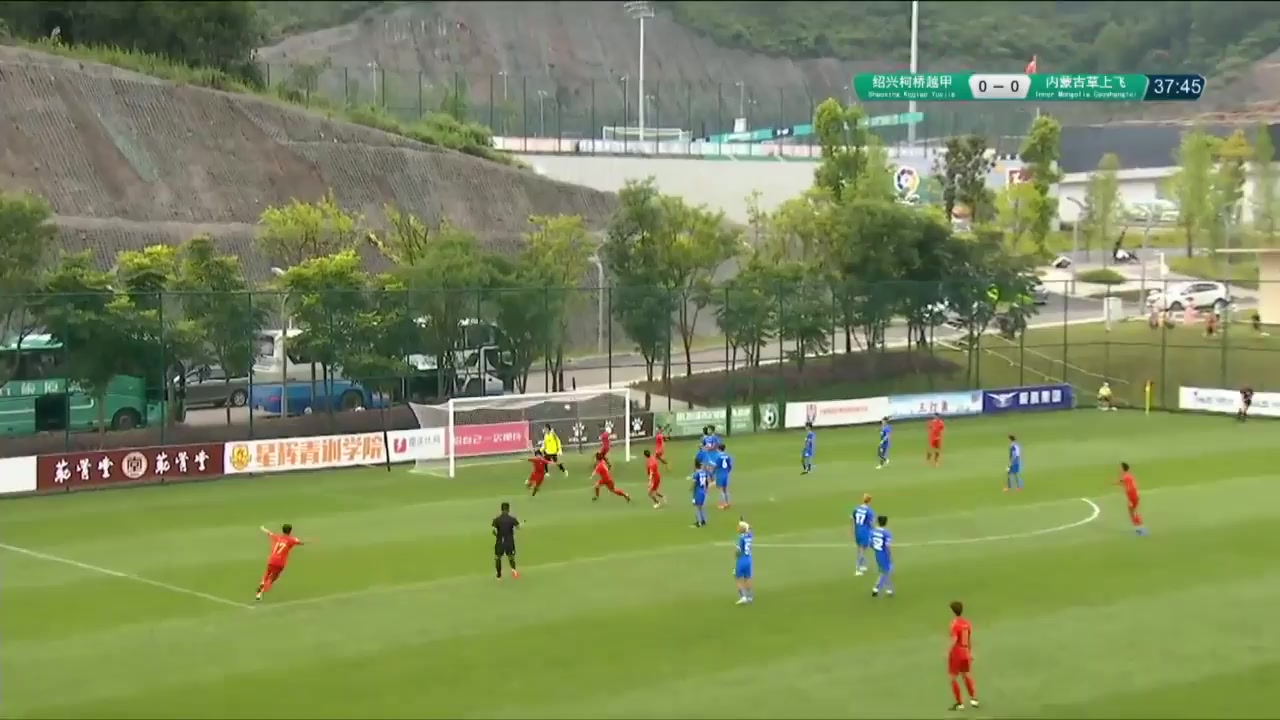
[1095,511]
[124,576]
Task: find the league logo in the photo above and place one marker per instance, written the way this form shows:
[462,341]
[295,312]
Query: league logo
[1002,400]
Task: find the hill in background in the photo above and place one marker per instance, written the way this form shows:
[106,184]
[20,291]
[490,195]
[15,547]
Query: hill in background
[127,161]
[569,68]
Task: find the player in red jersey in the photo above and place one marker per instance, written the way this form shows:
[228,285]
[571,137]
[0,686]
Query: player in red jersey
[655,480]
[605,443]
[960,659]
[1131,494]
[934,454]
[538,473]
[660,445]
[282,543]
[605,479]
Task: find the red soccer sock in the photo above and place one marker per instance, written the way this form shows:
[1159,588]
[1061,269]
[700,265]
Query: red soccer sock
[955,690]
[968,685]
[619,493]
[1136,518]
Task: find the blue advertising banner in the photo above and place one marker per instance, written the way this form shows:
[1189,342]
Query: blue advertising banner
[1023,399]
[950,404]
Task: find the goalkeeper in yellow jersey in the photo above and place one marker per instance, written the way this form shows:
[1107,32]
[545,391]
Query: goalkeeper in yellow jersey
[1104,398]
[551,447]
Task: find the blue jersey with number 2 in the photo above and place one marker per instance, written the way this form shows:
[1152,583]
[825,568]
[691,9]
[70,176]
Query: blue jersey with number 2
[881,545]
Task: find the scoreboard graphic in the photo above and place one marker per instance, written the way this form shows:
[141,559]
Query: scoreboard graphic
[1032,87]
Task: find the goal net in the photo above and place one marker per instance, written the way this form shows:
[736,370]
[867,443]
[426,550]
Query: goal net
[484,429]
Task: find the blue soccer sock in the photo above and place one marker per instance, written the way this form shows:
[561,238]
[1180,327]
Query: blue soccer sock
[724,496]
[1017,477]
[880,582]
[862,559]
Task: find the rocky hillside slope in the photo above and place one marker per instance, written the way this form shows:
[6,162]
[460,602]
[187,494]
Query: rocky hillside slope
[127,160]
[569,57]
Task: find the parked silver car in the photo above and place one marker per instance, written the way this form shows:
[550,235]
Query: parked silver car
[207,386]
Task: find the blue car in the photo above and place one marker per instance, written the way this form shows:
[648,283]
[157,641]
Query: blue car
[342,395]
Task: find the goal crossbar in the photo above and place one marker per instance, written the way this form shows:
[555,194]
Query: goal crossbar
[513,424]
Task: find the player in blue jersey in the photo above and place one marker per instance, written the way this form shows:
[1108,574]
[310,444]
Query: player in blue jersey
[864,519]
[701,480]
[1013,481]
[742,564]
[711,441]
[724,466]
[882,546]
[882,450]
[806,455]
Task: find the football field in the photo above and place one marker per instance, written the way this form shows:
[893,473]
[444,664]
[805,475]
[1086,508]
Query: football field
[139,603]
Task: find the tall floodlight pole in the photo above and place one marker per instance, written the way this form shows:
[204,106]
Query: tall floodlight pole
[640,10]
[915,64]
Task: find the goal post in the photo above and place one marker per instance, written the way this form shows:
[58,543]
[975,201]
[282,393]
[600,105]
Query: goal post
[494,428]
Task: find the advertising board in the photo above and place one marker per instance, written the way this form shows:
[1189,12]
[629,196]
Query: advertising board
[97,468]
[689,423]
[1221,400]
[1024,399]
[953,404]
[826,413]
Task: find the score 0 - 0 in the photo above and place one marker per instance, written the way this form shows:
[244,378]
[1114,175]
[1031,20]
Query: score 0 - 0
[999,87]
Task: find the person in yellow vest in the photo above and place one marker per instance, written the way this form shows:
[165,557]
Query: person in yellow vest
[551,447]
[1104,398]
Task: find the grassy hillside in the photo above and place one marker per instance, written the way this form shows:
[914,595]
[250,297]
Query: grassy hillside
[1198,36]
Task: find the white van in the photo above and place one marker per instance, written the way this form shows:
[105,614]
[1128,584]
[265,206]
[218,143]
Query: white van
[274,362]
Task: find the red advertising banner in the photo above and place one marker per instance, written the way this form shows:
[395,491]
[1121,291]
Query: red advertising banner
[494,439]
[67,471]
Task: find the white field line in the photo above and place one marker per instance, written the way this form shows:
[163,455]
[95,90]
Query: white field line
[649,552]
[124,576]
[960,541]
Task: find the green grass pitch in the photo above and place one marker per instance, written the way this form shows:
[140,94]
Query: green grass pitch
[138,603]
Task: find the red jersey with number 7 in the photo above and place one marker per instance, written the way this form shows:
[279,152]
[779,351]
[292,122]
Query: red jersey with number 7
[281,546]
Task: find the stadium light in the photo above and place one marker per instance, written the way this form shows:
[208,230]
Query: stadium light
[600,291]
[640,10]
[915,64]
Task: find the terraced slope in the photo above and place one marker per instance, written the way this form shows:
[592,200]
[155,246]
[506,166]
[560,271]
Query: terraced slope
[127,160]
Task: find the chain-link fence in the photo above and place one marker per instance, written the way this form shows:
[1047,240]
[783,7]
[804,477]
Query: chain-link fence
[549,107]
[140,370]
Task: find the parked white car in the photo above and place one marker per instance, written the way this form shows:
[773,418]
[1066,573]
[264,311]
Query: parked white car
[1199,294]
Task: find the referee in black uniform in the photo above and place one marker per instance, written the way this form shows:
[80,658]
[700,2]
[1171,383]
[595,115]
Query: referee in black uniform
[504,540]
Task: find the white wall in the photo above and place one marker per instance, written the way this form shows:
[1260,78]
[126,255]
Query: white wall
[1137,185]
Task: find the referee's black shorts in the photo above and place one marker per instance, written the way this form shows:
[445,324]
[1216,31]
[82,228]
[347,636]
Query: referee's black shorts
[504,547]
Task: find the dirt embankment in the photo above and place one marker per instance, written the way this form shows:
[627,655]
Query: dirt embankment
[128,160]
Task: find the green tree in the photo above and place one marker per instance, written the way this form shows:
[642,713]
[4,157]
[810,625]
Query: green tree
[446,277]
[556,258]
[804,310]
[1266,189]
[1232,154]
[215,296]
[695,243]
[1192,186]
[963,176]
[1017,212]
[1102,203]
[26,234]
[746,310]
[220,35]
[168,340]
[1041,151]
[326,299]
[302,231]
[633,255]
[99,328]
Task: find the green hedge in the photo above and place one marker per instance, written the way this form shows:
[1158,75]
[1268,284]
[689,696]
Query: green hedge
[1101,276]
